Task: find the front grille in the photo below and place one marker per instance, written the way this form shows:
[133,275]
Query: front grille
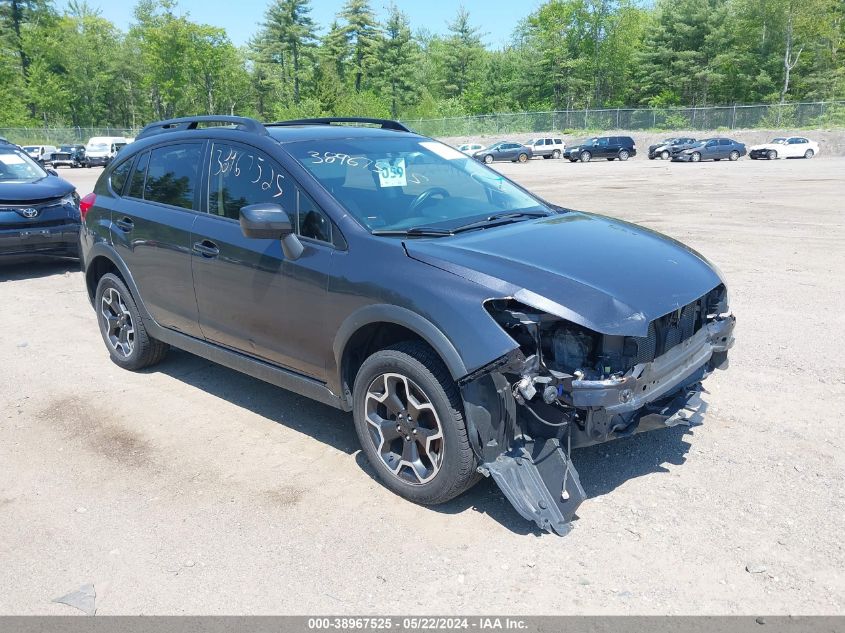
[50,213]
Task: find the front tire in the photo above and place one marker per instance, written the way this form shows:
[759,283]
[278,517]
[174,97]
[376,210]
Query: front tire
[488,159]
[121,326]
[696,157]
[664,155]
[772,154]
[585,157]
[409,418]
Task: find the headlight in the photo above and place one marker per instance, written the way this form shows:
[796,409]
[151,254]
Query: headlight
[71,200]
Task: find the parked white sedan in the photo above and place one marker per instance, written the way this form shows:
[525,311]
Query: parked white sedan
[785,147]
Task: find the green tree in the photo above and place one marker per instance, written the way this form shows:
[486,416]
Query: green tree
[289,36]
[362,33]
[461,53]
[397,54]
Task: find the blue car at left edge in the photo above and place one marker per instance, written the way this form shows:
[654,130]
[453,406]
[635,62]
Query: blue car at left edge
[39,212]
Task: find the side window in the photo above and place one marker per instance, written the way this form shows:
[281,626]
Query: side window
[139,174]
[604,141]
[313,223]
[118,176]
[724,141]
[173,175]
[558,141]
[239,176]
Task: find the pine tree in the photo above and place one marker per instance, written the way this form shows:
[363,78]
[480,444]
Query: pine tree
[396,60]
[362,33]
[289,34]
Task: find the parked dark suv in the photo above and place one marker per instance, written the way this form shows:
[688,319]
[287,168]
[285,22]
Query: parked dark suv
[609,147]
[39,212]
[471,327]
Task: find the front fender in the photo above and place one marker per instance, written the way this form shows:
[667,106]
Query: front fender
[386,313]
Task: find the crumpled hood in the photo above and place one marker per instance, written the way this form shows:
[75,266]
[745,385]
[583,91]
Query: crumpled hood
[34,191]
[607,275]
[766,146]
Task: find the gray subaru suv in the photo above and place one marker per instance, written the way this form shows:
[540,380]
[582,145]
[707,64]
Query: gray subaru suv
[472,328]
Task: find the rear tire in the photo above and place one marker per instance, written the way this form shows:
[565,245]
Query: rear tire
[734,156]
[809,153]
[556,154]
[624,154]
[522,158]
[121,326]
[407,407]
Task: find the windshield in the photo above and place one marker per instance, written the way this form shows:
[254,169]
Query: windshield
[16,166]
[399,183]
[30,148]
[779,140]
[97,147]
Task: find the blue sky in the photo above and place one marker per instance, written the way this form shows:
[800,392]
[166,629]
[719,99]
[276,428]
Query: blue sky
[240,18]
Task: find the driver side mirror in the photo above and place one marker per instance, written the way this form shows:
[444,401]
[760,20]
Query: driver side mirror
[268,221]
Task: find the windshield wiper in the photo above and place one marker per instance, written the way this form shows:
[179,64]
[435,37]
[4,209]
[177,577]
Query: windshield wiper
[500,218]
[421,231]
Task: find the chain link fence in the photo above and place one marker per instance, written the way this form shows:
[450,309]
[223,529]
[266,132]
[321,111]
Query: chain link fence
[61,135]
[787,115]
[772,116]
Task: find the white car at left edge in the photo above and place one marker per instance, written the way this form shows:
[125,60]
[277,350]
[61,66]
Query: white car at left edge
[785,147]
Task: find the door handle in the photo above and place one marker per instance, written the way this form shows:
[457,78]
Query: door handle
[206,248]
[125,224]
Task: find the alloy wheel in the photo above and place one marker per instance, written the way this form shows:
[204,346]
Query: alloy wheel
[117,323]
[404,428]
[772,154]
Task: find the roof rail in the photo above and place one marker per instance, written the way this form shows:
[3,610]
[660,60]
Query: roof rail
[192,122]
[386,124]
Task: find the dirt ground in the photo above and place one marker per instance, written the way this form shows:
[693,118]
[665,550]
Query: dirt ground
[191,489]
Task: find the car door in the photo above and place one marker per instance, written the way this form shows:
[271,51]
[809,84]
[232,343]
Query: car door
[151,231]
[250,296]
[602,148]
[710,150]
[796,147]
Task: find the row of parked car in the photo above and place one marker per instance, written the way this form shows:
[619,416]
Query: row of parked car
[682,149]
[98,152]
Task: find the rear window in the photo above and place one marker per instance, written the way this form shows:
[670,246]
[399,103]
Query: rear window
[173,175]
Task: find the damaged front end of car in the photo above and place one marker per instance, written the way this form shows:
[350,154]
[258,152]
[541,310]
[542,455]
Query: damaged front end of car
[566,386]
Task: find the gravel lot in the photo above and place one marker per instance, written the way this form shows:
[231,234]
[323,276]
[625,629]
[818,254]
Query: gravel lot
[191,489]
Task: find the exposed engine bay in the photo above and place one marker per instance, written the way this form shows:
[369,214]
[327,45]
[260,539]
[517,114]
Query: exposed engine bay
[567,386]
